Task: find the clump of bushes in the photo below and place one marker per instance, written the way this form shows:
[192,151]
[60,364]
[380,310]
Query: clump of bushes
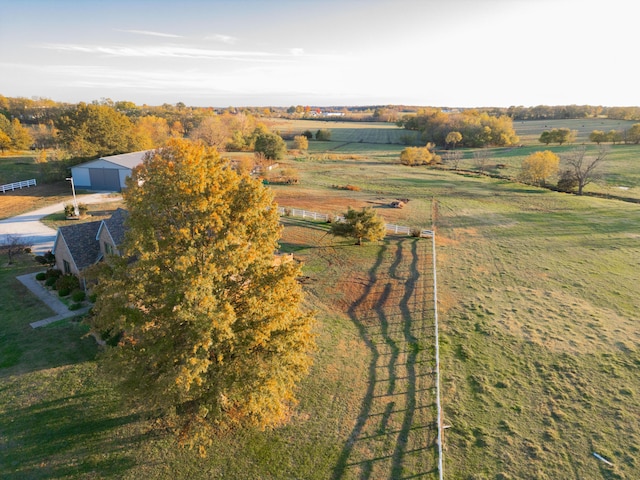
[353,188]
[67,283]
[41,277]
[51,277]
[567,182]
[78,295]
[69,210]
[75,306]
[46,259]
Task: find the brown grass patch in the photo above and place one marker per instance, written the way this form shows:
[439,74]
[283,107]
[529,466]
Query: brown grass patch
[28,199]
[315,202]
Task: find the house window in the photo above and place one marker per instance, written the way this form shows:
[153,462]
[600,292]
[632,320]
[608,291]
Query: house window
[108,249]
[66,266]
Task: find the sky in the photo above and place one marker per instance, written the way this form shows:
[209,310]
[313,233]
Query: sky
[220,53]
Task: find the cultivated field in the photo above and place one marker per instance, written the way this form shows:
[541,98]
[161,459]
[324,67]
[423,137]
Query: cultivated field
[540,345]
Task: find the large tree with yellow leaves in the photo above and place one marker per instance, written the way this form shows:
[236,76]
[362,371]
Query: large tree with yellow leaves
[205,325]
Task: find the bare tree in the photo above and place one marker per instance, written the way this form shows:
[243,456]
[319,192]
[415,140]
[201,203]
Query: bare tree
[583,166]
[452,157]
[13,245]
[481,158]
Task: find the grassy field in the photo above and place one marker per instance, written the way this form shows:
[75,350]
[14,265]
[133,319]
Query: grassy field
[540,342]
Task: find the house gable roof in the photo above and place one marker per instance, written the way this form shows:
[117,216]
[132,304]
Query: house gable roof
[115,226]
[81,242]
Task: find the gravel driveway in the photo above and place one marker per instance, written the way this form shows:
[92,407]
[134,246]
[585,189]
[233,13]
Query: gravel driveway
[29,227]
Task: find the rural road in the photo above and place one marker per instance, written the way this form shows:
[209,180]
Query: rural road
[29,227]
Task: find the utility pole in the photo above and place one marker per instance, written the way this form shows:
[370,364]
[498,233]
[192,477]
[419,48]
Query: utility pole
[76,210]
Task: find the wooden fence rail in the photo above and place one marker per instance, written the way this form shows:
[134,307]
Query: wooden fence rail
[12,186]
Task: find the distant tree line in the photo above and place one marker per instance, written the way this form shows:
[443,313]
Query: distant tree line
[475,128]
[66,134]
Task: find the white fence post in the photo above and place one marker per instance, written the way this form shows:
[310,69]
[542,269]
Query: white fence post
[12,186]
[296,212]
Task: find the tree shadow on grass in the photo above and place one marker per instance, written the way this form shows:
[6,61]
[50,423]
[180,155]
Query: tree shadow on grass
[372,313]
[365,408]
[73,436]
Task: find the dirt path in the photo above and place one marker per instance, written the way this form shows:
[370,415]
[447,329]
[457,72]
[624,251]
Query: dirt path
[395,433]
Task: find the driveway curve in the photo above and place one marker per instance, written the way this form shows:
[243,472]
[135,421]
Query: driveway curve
[32,231]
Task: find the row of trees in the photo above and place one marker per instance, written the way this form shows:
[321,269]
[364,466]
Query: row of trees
[565,135]
[629,135]
[86,131]
[537,168]
[557,135]
[476,129]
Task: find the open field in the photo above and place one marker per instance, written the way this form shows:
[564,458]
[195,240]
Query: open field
[540,345]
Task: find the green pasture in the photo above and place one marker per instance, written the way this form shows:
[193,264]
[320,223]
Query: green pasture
[19,167]
[540,345]
[350,132]
[529,130]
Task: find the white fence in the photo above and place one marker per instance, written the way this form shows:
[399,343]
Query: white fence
[13,186]
[323,217]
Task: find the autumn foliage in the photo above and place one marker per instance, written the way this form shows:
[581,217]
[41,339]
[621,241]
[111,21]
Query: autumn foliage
[205,326]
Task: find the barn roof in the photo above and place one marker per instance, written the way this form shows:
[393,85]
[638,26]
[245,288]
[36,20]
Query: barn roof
[125,160]
[128,160]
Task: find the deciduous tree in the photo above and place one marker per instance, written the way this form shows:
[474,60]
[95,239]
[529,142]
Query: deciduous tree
[212,131]
[633,134]
[323,135]
[452,158]
[271,145]
[153,131]
[539,166]
[598,136]
[90,130]
[413,156]
[301,142]
[584,167]
[365,224]
[205,326]
[557,135]
[5,141]
[481,158]
[453,138]
[21,139]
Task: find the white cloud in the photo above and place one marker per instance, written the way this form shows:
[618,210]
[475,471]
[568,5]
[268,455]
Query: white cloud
[228,39]
[153,34]
[157,51]
[296,51]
